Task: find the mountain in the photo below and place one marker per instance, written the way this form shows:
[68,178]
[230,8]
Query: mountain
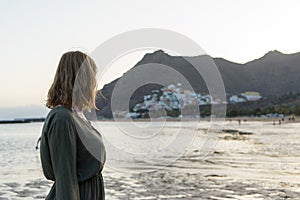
[273,75]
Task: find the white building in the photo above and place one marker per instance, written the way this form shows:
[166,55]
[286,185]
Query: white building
[236,99]
[252,96]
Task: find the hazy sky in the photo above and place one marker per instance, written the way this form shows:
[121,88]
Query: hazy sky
[34,34]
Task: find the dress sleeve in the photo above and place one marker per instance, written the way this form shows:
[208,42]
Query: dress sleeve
[62,146]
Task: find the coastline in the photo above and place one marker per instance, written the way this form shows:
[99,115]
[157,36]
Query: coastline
[243,119]
[22,120]
[248,161]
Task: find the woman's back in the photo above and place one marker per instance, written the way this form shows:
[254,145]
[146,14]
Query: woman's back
[65,160]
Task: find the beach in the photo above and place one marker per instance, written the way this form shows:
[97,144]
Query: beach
[254,160]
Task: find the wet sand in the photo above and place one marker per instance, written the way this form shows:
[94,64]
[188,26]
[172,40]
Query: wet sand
[254,160]
[251,161]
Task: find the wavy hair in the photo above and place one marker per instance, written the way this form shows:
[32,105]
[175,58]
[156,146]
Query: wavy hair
[75,83]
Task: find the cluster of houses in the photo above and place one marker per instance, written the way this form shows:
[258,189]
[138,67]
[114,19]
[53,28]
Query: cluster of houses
[173,97]
[246,96]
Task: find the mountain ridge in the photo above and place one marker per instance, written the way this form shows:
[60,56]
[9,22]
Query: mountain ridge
[273,74]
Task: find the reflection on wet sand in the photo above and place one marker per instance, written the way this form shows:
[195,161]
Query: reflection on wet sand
[254,160]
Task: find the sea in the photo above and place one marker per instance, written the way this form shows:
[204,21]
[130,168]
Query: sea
[170,160]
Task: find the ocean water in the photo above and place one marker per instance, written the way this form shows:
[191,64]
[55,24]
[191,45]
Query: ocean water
[154,162]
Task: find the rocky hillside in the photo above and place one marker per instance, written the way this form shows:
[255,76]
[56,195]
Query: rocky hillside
[273,75]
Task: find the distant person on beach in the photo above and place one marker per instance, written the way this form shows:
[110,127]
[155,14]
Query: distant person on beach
[66,157]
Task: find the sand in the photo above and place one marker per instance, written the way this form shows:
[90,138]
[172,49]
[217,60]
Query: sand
[254,160]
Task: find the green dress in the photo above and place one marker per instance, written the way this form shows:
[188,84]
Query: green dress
[72,155]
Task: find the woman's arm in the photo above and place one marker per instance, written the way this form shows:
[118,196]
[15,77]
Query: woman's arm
[62,146]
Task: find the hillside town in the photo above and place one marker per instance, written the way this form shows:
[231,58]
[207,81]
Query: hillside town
[174,97]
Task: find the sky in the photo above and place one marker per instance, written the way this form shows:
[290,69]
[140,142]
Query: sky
[34,34]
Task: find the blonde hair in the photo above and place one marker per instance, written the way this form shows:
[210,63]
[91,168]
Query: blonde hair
[75,82]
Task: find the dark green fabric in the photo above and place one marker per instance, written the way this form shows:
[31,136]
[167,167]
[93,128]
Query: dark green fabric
[66,161]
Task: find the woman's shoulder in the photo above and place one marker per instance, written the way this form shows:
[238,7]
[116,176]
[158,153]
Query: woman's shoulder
[58,117]
[60,113]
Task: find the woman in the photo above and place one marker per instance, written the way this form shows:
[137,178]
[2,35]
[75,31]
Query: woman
[72,151]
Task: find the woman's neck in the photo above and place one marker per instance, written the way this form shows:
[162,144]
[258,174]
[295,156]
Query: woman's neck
[77,109]
[79,112]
